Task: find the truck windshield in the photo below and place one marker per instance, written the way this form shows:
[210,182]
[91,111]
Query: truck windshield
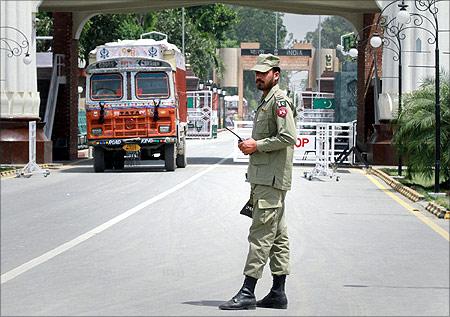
[150,85]
[106,87]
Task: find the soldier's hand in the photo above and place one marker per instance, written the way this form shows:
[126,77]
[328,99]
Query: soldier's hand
[247,146]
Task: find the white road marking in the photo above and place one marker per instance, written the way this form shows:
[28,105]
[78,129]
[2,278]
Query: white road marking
[70,244]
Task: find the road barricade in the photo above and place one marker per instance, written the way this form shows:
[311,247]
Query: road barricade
[340,137]
[202,115]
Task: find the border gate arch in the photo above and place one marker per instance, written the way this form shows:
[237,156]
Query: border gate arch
[299,58]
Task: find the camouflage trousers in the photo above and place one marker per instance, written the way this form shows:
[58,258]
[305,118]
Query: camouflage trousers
[268,237]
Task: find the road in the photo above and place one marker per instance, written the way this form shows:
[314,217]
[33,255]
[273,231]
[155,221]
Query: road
[145,242]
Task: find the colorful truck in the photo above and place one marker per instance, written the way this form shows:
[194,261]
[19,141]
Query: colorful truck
[136,106]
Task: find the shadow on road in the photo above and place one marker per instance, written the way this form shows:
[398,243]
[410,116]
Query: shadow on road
[86,165]
[205,303]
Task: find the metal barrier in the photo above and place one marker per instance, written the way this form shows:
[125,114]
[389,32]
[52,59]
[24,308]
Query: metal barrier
[82,130]
[201,115]
[340,137]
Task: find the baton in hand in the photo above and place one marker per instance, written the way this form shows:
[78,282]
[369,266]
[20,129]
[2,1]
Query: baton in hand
[240,139]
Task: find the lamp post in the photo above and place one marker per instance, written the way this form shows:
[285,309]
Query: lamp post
[392,40]
[15,47]
[418,19]
[353,53]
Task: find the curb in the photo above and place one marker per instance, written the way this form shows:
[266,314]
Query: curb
[402,189]
[9,173]
[16,171]
[435,209]
[438,211]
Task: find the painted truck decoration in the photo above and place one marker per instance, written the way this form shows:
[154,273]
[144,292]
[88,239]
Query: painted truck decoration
[136,105]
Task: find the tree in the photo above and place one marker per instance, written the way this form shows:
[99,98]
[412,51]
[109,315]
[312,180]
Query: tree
[332,29]
[105,28]
[415,135]
[256,25]
[206,28]
[44,27]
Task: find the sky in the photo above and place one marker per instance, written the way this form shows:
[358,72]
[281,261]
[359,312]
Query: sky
[299,25]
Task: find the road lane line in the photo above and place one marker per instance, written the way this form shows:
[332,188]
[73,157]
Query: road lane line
[91,233]
[408,207]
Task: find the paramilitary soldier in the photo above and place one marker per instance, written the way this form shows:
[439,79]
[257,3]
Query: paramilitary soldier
[271,149]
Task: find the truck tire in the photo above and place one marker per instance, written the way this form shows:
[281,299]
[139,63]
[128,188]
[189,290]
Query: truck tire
[170,157]
[118,160]
[181,158]
[99,160]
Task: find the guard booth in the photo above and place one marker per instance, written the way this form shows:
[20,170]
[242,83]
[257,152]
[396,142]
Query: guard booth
[202,114]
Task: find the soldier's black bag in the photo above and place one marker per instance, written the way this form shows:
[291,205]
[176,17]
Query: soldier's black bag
[247,210]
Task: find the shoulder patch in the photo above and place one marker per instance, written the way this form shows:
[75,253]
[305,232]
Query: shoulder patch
[282,112]
[281,103]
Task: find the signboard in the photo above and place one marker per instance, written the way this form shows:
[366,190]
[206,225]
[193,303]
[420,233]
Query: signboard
[349,41]
[32,141]
[279,52]
[123,63]
[323,103]
[306,144]
[106,52]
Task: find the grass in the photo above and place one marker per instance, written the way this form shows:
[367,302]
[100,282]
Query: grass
[422,186]
[6,168]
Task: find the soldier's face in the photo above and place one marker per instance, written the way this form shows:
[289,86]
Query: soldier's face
[265,81]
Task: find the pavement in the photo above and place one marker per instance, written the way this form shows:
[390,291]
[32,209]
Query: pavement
[145,242]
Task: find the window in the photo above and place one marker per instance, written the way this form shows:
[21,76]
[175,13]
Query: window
[150,85]
[106,87]
[418,45]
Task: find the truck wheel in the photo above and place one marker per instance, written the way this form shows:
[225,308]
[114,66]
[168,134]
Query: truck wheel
[118,160]
[99,160]
[169,157]
[181,158]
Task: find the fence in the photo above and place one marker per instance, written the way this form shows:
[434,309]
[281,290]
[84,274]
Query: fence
[338,136]
[202,115]
[82,129]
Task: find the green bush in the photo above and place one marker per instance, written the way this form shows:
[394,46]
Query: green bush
[415,133]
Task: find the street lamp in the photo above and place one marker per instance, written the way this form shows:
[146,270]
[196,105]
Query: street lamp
[392,40]
[15,47]
[418,19]
[353,52]
[375,41]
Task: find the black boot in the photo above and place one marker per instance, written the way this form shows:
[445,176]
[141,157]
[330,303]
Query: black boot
[245,298]
[276,297]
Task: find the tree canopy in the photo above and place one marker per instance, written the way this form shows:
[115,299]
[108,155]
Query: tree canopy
[332,29]
[206,29]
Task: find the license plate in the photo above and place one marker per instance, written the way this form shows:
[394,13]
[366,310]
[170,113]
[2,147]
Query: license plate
[131,147]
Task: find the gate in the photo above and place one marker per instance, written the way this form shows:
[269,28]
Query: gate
[337,137]
[202,115]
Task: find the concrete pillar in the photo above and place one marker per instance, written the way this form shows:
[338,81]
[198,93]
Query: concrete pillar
[65,128]
[373,138]
[19,98]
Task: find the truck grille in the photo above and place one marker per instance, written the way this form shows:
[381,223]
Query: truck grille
[130,126]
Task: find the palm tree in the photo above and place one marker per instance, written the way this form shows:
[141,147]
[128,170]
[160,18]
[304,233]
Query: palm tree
[415,135]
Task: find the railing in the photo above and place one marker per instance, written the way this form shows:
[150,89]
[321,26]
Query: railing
[340,137]
[202,118]
[57,79]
